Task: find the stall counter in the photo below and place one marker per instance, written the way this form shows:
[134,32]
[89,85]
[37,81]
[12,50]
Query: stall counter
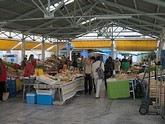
[118,88]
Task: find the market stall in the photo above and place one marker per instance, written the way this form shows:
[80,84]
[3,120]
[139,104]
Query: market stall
[65,89]
[118,88]
[69,89]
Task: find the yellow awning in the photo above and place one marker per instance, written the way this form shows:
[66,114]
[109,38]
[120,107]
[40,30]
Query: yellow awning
[136,45]
[54,49]
[47,45]
[91,44]
[121,45]
[7,44]
[34,46]
[28,45]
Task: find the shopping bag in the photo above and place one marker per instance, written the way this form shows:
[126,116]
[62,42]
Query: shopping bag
[5,96]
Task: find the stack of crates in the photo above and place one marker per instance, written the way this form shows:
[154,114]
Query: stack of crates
[160,90]
[11,87]
[162,95]
[153,88]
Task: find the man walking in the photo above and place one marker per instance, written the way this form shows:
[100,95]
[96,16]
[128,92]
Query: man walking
[97,81]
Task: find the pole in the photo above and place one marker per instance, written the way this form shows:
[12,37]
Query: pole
[23,46]
[43,49]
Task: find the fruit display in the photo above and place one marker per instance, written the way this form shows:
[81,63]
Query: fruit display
[68,75]
[50,65]
[11,72]
[13,69]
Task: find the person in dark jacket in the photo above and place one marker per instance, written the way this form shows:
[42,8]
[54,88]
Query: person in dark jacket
[3,79]
[109,67]
[74,63]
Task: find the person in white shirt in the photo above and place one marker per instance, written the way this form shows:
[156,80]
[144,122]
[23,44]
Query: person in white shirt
[97,81]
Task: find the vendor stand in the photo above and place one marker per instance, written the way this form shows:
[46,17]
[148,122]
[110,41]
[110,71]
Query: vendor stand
[69,89]
[118,88]
[121,86]
[66,89]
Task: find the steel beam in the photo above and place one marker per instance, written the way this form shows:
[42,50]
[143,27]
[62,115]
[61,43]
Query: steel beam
[156,2]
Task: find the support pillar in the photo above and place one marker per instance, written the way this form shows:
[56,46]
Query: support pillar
[68,49]
[23,47]
[43,49]
[57,50]
[162,41]
[70,57]
[112,49]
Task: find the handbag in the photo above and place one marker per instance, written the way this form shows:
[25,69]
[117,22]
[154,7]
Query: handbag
[5,96]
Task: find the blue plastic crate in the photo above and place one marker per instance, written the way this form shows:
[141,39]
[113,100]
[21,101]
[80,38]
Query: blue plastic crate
[11,84]
[45,99]
[11,81]
[31,98]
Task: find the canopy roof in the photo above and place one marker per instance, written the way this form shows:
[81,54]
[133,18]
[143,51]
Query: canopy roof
[75,18]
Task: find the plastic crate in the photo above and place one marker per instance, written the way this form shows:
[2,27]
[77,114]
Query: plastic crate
[11,87]
[31,98]
[45,97]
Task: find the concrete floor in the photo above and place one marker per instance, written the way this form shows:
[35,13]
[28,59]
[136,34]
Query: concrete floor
[82,109]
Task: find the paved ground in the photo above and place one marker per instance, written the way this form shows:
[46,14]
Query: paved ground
[82,109]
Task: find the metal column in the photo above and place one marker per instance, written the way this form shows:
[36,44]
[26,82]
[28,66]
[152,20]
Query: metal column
[23,47]
[112,49]
[57,50]
[43,49]
[68,49]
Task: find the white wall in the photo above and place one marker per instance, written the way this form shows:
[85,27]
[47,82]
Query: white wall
[17,53]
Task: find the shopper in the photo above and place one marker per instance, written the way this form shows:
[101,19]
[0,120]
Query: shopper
[130,60]
[82,61]
[97,81]
[33,61]
[124,59]
[23,63]
[88,76]
[28,69]
[74,63]
[109,68]
[93,59]
[3,79]
[117,66]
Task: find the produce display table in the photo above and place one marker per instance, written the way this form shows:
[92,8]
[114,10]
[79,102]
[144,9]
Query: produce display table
[118,88]
[68,89]
[65,89]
